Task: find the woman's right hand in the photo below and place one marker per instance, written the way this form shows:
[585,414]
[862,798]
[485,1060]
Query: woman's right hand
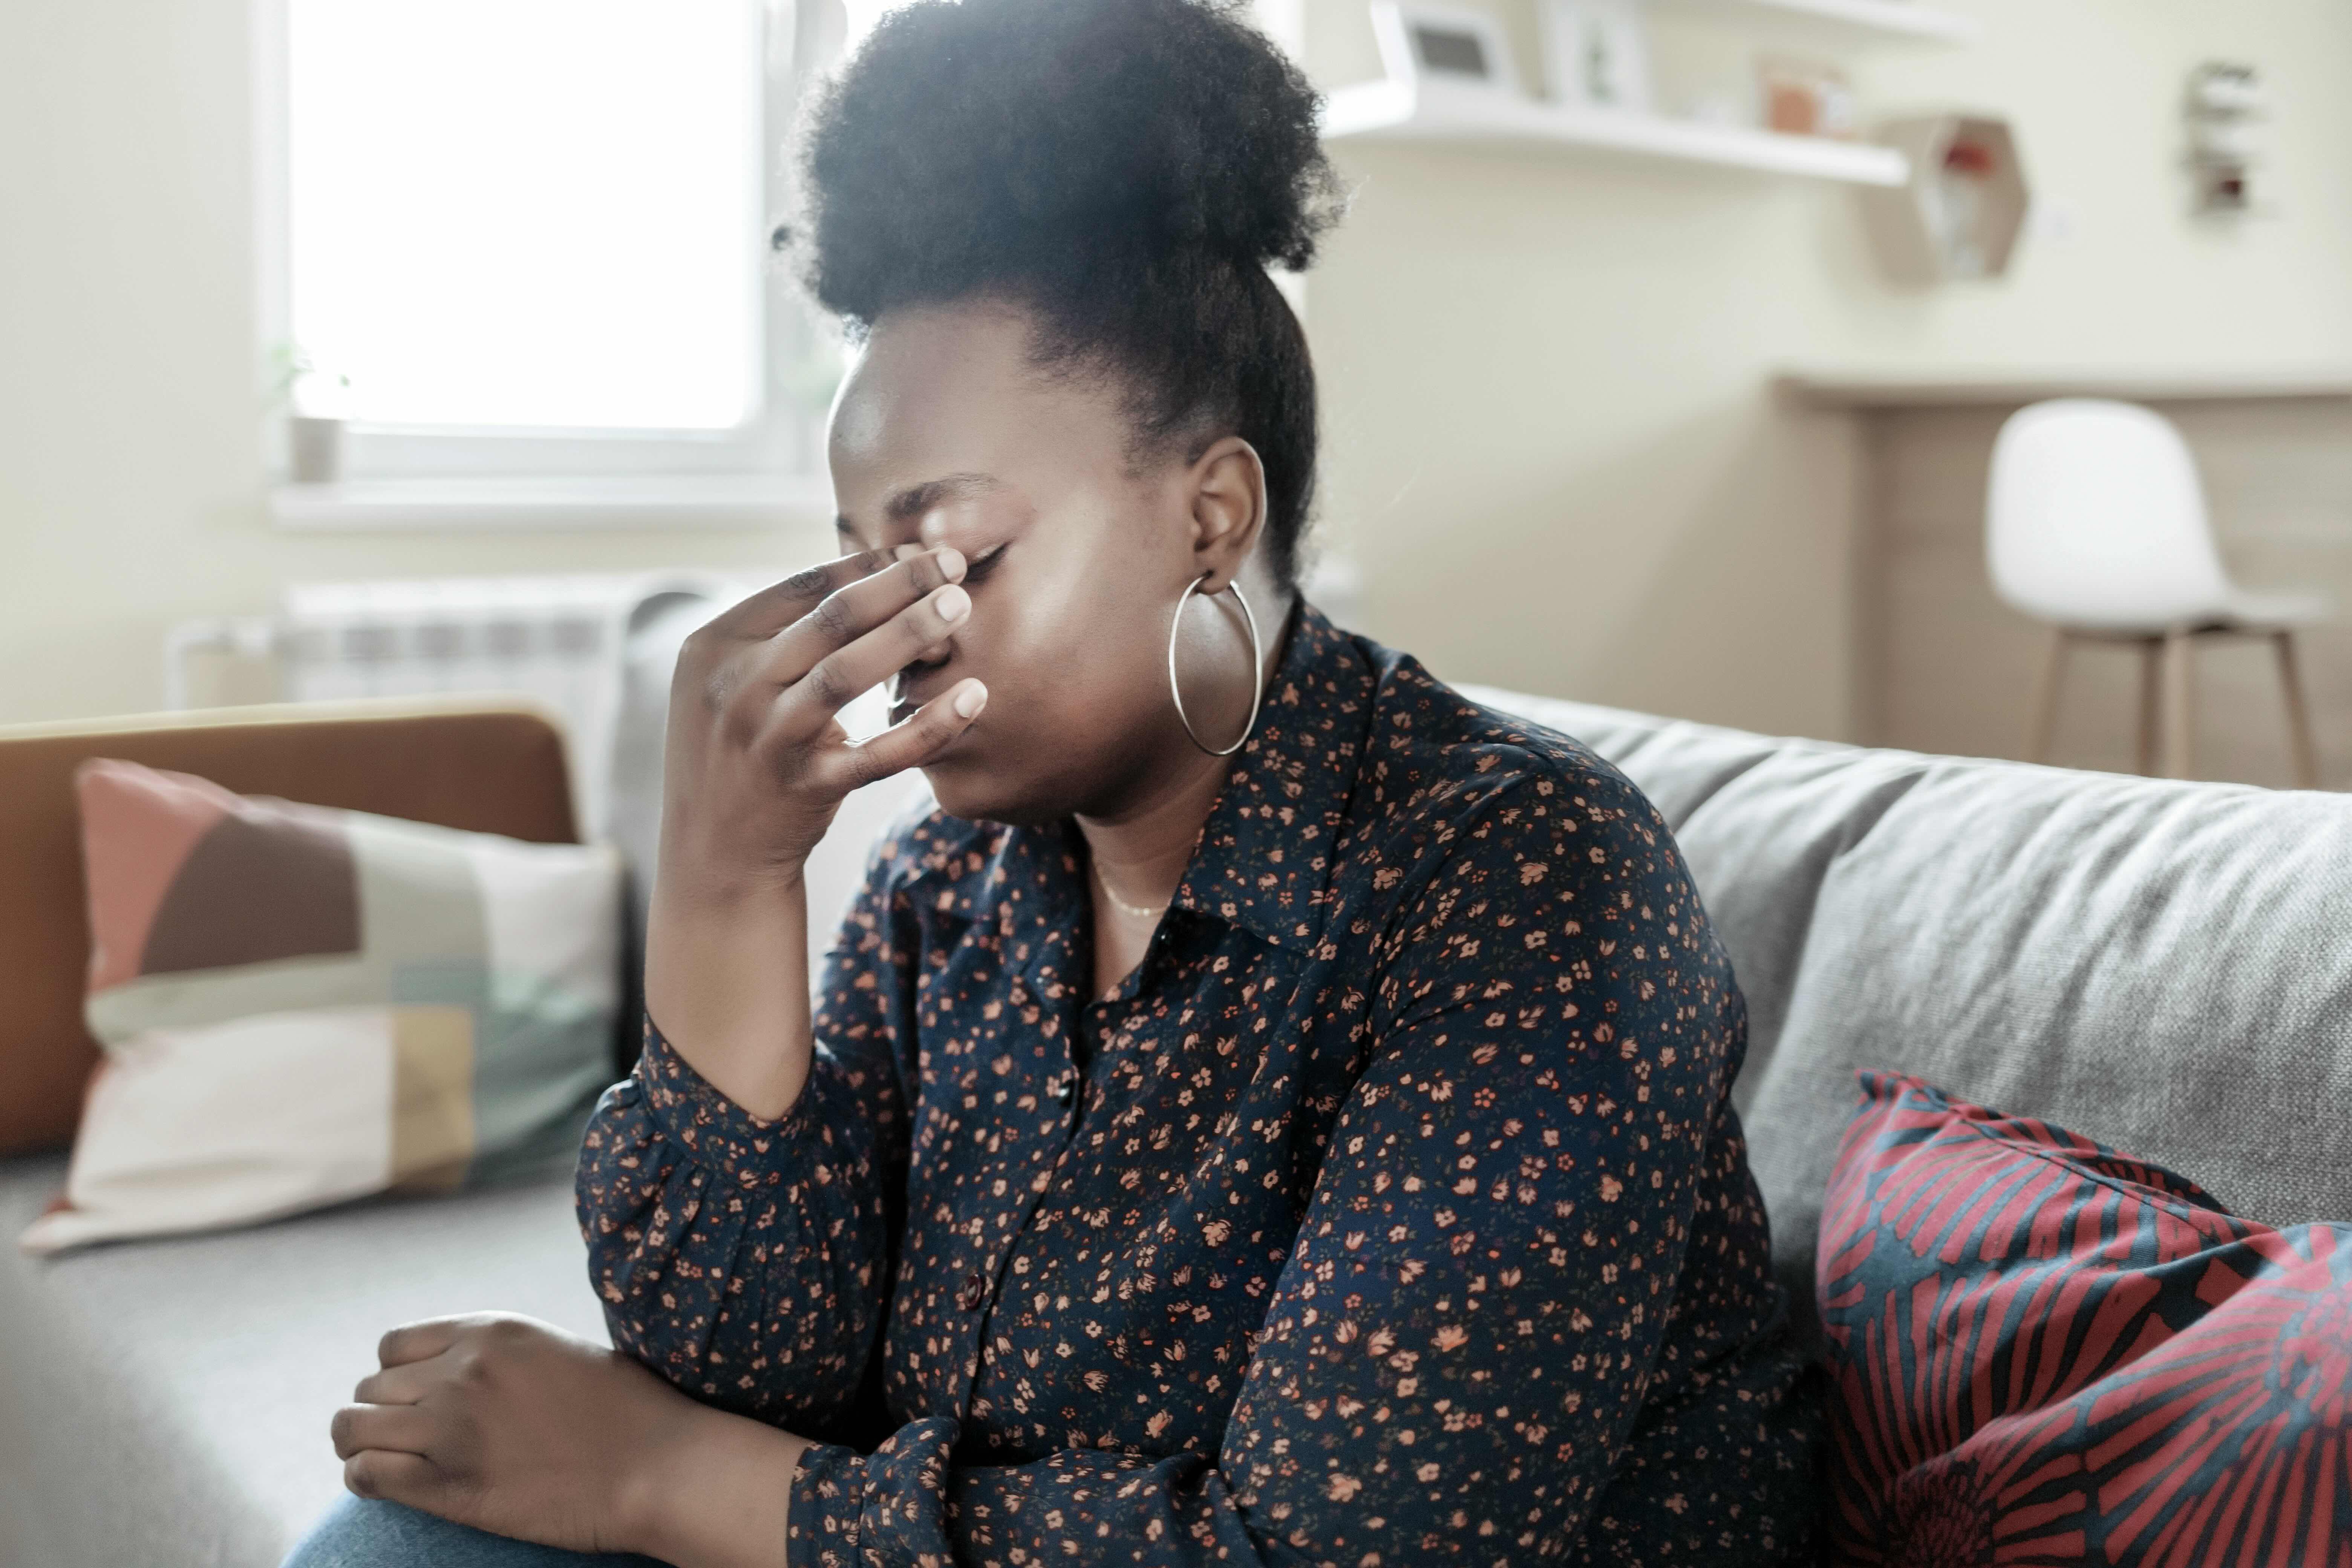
[756,765]
[756,761]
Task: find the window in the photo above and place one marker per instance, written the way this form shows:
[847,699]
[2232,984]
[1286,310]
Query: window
[534,235]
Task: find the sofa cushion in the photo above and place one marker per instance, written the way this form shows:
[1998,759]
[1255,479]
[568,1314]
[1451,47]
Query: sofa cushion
[2043,1351]
[2165,967]
[301,1005]
[205,1369]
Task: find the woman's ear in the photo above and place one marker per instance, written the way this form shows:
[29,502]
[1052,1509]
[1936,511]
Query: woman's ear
[1228,497]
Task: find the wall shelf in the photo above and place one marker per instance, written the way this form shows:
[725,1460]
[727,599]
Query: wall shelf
[1385,110]
[1891,20]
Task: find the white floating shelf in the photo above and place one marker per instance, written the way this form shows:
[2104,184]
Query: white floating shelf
[1387,110]
[1902,20]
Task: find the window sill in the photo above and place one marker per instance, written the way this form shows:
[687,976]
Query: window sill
[717,502]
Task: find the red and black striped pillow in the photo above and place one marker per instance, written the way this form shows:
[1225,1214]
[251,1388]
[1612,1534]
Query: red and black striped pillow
[2044,1351]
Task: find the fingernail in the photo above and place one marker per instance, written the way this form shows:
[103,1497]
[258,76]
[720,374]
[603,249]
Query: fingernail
[970,701]
[952,563]
[951,602]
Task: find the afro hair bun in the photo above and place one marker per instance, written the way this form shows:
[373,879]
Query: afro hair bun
[978,144]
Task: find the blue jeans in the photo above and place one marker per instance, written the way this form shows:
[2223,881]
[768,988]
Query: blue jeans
[360,1534]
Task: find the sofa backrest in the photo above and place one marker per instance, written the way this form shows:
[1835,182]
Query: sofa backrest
[2165,967]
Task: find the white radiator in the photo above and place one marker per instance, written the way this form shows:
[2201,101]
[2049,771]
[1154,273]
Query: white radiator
[562,641]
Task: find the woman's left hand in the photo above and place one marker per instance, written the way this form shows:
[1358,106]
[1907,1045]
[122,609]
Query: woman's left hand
[514,1426]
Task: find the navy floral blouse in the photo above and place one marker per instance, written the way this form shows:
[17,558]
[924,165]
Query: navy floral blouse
[1392,1211]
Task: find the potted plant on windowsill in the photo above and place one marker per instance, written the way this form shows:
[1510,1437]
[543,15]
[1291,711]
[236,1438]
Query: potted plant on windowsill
[315,402]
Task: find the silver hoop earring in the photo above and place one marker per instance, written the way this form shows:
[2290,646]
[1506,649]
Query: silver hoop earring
[1258,668]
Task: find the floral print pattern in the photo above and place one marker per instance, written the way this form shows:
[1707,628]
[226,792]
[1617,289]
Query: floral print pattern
[1392,1211]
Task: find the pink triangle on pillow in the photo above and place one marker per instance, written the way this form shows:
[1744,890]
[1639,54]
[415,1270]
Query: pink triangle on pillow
[138,828]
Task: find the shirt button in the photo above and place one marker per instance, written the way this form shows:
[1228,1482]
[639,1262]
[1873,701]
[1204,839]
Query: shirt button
[1065,1088]
[975,1291]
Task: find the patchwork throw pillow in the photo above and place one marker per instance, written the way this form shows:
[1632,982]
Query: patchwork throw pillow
[2044,1351]
[301,1006]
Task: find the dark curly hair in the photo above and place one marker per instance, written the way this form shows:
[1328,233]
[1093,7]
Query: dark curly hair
[1124,170]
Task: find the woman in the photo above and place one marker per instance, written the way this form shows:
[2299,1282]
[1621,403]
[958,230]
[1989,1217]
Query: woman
[1268,1110]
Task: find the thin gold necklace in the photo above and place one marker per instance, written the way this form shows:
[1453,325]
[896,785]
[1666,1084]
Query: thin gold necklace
[1134,911]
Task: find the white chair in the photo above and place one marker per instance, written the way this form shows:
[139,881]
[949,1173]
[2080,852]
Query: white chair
[2096,522]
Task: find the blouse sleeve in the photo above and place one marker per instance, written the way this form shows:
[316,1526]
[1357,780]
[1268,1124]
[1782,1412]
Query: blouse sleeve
[1459,1342]
[747,1261]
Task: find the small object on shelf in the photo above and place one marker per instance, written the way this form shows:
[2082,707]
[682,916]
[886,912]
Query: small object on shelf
[1449,47]
[2226,102]
[1959,217]
[1805,97]
[1433,114]
[315,402]
[1597,53]
[314,449]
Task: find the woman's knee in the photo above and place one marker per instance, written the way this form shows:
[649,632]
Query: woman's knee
[360,1532]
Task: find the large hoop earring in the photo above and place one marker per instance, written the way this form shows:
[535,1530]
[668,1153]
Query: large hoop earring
[1258,668]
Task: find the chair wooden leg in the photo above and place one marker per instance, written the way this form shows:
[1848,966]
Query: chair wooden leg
[2043,723]
[2151,686]
[2180,703]
[2298,713]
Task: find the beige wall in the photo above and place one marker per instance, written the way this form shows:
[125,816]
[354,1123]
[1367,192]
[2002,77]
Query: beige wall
[1550,446]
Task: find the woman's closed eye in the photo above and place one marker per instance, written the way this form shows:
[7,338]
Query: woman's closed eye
[977,569]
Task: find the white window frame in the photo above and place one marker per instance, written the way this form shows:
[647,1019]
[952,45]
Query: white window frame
[768,471]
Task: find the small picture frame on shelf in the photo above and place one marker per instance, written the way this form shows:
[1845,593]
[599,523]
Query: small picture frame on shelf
[1452,47]
[1597,53]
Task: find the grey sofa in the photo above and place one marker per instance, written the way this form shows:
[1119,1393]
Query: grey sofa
[2167,967]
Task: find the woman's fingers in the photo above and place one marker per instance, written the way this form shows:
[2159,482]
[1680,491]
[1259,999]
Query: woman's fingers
[745,681]
[392,1477]
[779,605]
[402,1384]
[401,1429]
[420,1341]
[801,709]
[880,614]
[851,611]
[918,738]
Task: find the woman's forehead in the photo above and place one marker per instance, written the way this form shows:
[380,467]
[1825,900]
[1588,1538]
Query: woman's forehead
[926,357]
[966,373]
[946,425]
